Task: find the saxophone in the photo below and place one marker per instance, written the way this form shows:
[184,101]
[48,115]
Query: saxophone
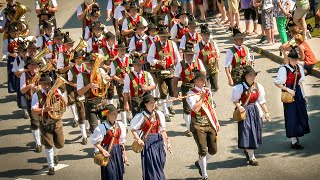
[56,100]
[96,77]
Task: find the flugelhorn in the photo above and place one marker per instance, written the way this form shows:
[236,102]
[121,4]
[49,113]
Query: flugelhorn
[96,77]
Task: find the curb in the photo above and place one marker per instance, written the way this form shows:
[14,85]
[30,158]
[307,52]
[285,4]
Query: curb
[277,59]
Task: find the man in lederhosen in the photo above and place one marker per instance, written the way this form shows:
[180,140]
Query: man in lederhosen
[83,11]
[28,87]
[185,71]
[73,98]
[163,56]
[207,50]
[204,122]
[51,129]
[237,57]
[56,47]
[118,69]
[192,36]
[136,84]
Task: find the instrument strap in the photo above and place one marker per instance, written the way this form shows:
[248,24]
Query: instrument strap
[296,77]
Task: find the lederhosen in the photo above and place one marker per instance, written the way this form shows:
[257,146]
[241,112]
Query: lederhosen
[204,55]
[85,21]
[121,68]
[203,132]
[51,130]
[90,103]
[238,63]
[115,168]
[136,92]
[12,45]
[187,76]
[181,31]
[33,119]
[163,77]
[73,96]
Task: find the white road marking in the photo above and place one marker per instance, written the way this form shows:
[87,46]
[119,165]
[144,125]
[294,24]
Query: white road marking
[22,179]
[56,168]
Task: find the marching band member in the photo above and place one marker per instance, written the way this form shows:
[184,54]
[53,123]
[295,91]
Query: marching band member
[101,139]
[164,55]
[98,42]
[51,129]
[185,71]
[84,87]
[136,83]
[44,17]
[83,11]
[50,6]
[135,45]
[146,6]
[208,52]
[170,19]
[181,28]
[204,122]
[6,15]
[31,49]
[129,24]
[153,155]
[112,4]
[18,69]
[73,97]
[160,7]
[120,14]
[237,57]
[289,79]
[192,36]
[56,47]
[250,130]
[118,69]
[46,39]
[94,17]
[28,87]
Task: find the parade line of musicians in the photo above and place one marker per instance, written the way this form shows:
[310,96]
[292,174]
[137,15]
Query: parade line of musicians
[156,44]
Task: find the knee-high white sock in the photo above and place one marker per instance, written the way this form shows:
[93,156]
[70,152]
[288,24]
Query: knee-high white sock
[169,104]
[208,156]
[49,155]
[123,115]
[294,140]
[165,108]
[203,166]
[250,154]
[56,151]
[36,136]
[74,111]
[187,119]
[86,122]
[110,101]
[83,130]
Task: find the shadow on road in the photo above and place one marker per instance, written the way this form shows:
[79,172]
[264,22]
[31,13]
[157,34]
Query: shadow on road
[18,130]
[18,172]
[14,115]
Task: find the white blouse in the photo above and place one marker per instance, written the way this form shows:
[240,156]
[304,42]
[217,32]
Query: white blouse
[100,131]
[138,120]
[282,74]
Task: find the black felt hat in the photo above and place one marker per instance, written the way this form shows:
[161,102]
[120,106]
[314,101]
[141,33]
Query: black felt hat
[30,61]
[121,45]
[175,3]
[67,39]
[47,25]
[237,34]
[77,55]
[44,12]
[249,70]
[145,99]
[57,33]
[163,31]
[22,46]
[189,48]
[88,58]
[137,60]
[152,26]
[198,74]
[293,54]
[31,45]
[110,35]
[133,5]
[204,29]
[192,22]
[9,10]
[97,25]
[181,12]
[45,78]
[12,28]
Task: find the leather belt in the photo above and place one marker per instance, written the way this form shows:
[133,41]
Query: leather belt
[94,100]
[203,121]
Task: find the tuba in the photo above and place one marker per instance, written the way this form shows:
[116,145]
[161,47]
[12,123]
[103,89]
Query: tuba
[96,77]
[56,100]
[82,44]
[20,11]
[44,65]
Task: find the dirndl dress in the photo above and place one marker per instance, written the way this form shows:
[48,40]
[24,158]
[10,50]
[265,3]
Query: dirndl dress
[115,168]
[153,158]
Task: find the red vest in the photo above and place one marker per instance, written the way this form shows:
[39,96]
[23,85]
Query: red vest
[242,54]
[206,50]
[138,43]
[110,134]
[120,67]
[253,98]
[168,48]
[191,39]
[135,82]
[186,70]
[97,44]
[291,76]
[181,31]
[56,50]
[112,53]
[147,123]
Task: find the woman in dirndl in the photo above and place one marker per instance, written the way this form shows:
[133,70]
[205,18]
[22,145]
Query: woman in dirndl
[101,139]
[250,130]
[295,113]
[153,156]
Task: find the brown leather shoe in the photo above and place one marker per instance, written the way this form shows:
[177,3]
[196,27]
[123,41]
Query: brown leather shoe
[51,171]
[171,110]
[38,148]
[253,162]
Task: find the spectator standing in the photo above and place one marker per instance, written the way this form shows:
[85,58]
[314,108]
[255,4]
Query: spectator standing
[299,17]
[249,13]
[234,13]
[267,19]
[281,11]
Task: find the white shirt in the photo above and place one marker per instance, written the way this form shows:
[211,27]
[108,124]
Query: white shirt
[90,44]
[183,40]
[15,67]
[127,81]
[100,131]
[117,12]
[152,52]
[197,48]
[174,30]
[132,44]
[267,4]
[70,75]
[38,30]
[60,63]
[238,90]
[49,56]
[192,100]
[145,43]
[35,99]
[53,2]
[80,84]
[110,4]
[87,32]
[139,119]
[166,19]
[113,68]
[282,74]
[178,68]
[22,80]
[40,42]
[125,22]
[229,56]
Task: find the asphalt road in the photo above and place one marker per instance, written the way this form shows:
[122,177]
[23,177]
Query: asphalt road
[277,160]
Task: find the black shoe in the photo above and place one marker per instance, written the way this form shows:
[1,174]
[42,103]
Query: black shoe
[75,124]
[84,141]
[55,160]
[171,110]
[296,146]
[168,119]
[198,166]
[51,171]
[230,29]
[247,155]
[38,148]
[253,162]
[263,38]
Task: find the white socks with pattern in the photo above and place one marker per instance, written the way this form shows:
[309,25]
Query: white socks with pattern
[49,155]
[83,130]
[203,166]
[73,109]
[165,108]
[293,140]
[251,154]
[36,136]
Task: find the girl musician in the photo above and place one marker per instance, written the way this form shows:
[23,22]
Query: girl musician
[153,155]
[101,139]
[290,78]
[250,130]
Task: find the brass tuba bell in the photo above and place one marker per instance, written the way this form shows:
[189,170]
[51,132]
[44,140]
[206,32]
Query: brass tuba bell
[44,65]
[20,11]
[96,77]
[82,44]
